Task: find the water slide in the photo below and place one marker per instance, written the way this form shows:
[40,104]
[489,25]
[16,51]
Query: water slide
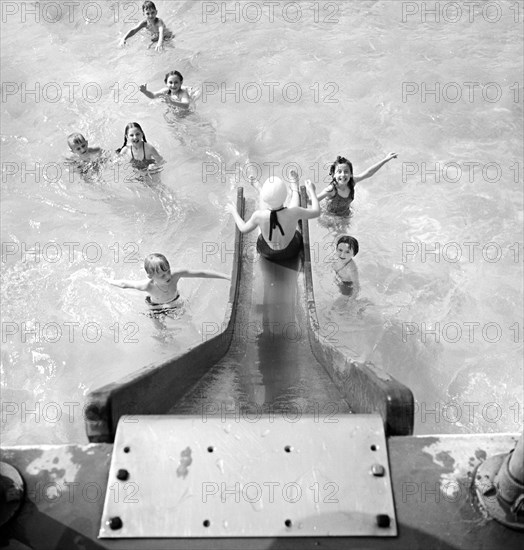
[208,452]
[269,357]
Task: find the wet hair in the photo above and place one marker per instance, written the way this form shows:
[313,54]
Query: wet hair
[128,127]
[75,139]
[351,183]
[173,73]
[147,5]
[349,240]
[156,263]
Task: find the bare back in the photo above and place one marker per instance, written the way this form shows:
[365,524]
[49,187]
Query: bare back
[288,220]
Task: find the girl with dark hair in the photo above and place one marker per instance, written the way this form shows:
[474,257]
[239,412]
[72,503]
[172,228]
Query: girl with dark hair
[173,90]
[346,272]
[341,191]
[141,154]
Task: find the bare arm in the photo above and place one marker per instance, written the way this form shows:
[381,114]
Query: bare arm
[373,169]
[160,44]
[205,274]
[325,193]
[152,95]
[244,227]
[255,183]
[133,31]
[184,101]
[314,210]
[295,194]
[153,153]
[136,285]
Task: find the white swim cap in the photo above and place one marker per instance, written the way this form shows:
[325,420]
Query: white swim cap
[274,192]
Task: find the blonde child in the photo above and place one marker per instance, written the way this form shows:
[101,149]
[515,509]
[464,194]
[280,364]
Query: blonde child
[173,91]
[341,191]
[155,25]
[80,148]
[142,156]
[162,282]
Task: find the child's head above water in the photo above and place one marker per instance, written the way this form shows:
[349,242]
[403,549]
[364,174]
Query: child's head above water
[174,73]
[149,6]
[345,245]
[133,132]
[339,167]
[156,264]
[174,80]
[77,143]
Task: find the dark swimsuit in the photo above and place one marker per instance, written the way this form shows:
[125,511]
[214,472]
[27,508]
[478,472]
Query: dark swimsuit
[141,164]
[165,306]
[345,287]
[339,205]
[292,249]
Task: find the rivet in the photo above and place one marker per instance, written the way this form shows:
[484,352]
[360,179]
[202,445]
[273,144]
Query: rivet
[115,523]
[383,520]
[378,470]
[122,474]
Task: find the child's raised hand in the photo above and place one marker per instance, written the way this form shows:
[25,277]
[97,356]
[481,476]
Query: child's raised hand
[231,208]
[310,186]
[293,174]
[143,88]
[391,156]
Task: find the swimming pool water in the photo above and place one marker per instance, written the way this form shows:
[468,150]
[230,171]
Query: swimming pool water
[293,88]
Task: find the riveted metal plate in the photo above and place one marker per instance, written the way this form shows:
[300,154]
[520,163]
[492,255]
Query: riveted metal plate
[249,477]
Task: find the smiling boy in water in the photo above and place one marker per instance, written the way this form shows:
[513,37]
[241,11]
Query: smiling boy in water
[155,25]
[162,283]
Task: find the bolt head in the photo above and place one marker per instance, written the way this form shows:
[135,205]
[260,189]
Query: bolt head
[115,523]
[378,470]
[122,475]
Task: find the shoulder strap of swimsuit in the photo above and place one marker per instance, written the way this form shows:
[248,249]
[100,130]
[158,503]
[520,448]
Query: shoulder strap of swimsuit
[273,222]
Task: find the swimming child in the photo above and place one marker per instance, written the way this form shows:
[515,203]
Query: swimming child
[345,268]
[341,191]
[80,148]
[279,237]
[141,154]
[155,25]
[86,160]
[162,283]
[173,91]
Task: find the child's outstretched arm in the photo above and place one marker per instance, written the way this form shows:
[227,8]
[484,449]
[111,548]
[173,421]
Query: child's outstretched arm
[152,95]
[244,227]
[135,285]
[373,169]
[314,210]
[205,274]
[132,32]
